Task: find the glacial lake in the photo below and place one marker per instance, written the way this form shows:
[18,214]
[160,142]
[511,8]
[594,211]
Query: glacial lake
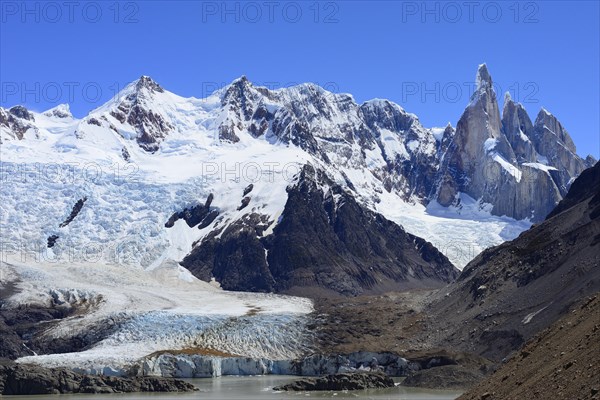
[258,388]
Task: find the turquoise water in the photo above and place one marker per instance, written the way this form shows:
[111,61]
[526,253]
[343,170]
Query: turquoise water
[259,388]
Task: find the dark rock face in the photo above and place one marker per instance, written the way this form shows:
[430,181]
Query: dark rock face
[135,109]
[585,186]
[245,202]
[201,215]
[19,326]
[18,379]
[248,189]
[236,259]
[74,212]
[61,111]
[17,121]
[510,292]
[558,363]
[21,112]
[349,381]
[22,328]
[52,240]
[125,154]
[324,241]
[329,240]
[94,121]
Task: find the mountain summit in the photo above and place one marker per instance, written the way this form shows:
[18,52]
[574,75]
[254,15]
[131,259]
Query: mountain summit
[521,169]
[246,147]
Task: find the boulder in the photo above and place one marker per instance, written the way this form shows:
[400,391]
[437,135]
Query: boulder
[17,379]
[346,381]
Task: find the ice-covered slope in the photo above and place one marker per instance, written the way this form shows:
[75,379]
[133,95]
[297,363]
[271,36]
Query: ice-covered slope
[148,153]
[135,314]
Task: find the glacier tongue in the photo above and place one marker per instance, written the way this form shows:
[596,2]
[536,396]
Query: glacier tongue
[156,311]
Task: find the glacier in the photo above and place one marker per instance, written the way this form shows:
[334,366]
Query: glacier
[117,260]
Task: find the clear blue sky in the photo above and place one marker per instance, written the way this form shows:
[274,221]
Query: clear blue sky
[421,55]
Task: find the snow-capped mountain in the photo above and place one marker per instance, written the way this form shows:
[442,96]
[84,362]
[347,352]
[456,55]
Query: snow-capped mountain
[522,169]
[122,214]
[149,154]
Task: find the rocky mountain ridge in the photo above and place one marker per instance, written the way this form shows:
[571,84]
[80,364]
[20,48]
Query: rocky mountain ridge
[378,172]
[521,168]
[324,242]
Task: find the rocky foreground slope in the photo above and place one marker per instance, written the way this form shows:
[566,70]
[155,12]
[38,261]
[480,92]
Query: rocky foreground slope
[512,291]
[559,363]
[502,299]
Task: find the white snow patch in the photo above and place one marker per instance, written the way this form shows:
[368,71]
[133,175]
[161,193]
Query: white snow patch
[529,317]
[438,133]
[540,166]
[490,144]
[508,167]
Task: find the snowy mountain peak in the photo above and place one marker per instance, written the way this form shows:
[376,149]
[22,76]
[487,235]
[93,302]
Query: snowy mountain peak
[510,104]
[143,111]
[242,80]
[484,88]
[405,159]
[145,82]
[60,111]
[483,78]
[15,123]
[21,112]
[237,87]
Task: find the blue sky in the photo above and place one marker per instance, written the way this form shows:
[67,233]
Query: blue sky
[421,55]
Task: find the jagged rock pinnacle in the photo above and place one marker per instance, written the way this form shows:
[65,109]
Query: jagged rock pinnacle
[483,77]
